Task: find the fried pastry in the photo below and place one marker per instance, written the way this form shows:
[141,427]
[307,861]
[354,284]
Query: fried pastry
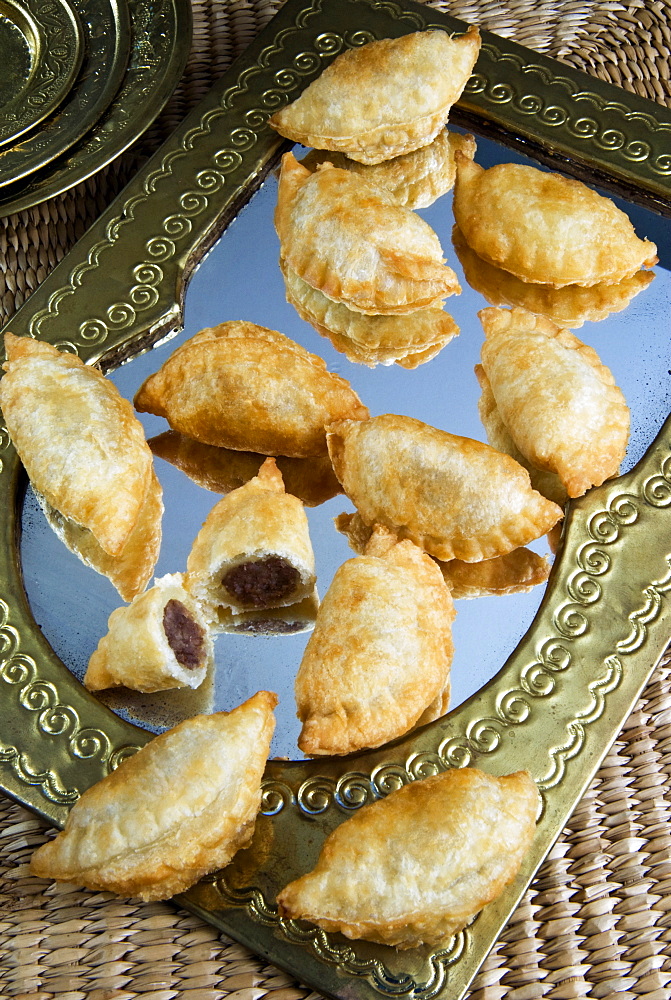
[85,454]
[385,98]
[416,179]
[558,401]
[570,306]
[408,340]
[515,572]
[415,867]
[455,497]
[253,551]
[356,244]
[179,808]
[221,470]
[158,642]
[546,483]
[544,227]
[248,388]
[381,650]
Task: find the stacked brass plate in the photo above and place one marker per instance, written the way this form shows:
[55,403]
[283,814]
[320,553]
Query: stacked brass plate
[123,60]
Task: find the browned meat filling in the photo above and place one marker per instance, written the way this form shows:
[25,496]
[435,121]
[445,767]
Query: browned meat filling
[185,636]
[262,582]
[269,626]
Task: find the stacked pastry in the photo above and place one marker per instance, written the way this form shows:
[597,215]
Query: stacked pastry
[546,243]
[359,265]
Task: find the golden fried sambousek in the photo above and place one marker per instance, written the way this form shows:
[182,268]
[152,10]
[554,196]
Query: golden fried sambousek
[454,496]
[159,641]
[253,551]
[384,98]
[352,241]
[416,179]
[176,810]
[381,650]
[249,388]
[409,340]
[415,867]
[557,400]
[86,456]
[570,306]
[544,227]
[515,572]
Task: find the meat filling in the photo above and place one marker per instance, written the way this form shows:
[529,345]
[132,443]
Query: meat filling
[185,636]
[262,582]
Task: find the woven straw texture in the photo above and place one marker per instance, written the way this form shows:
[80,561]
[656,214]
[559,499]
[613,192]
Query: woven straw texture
[596,921]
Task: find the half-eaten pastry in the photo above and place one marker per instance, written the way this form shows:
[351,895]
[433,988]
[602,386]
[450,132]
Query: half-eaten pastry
[253,551]
[415,867]
[158,642]
[175,811]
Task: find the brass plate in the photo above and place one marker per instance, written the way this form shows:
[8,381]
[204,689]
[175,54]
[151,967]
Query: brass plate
[604,620]
[107,40]
[41,46]
[160,42]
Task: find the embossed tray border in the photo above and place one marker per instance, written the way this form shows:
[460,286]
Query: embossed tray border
[603,624]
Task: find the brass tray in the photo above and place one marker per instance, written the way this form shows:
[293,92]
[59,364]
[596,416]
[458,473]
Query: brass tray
[159,48]
[42,48]
[106,48]
[603,622]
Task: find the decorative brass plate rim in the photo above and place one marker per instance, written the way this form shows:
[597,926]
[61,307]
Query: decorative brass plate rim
[604,621]
[106,48]
[53,33]
[160,43]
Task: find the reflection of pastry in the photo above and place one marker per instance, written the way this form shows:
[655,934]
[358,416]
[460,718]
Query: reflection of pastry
[416,866]
[221,470]
[253,551]
[179,808]
[455,497]
[159,641]
[384,98]
[85,454]
[416,179]
[513,573]
[245,387]
[356,244]
[570,306]
[558,401]
[544,227]
[380,652]
[408,340]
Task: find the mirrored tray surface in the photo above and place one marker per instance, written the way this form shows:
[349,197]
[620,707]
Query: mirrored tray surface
[551,675]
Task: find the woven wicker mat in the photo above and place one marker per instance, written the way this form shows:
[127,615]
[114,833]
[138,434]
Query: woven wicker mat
[596,921]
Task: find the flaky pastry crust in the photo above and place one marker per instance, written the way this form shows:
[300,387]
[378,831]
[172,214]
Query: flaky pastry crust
[158,642]
[385,98]
[179,808]
[415,867]
[258,528]
[455,497]
[544,227]
[246,387]
[381,650]
[557,400]
[356,244]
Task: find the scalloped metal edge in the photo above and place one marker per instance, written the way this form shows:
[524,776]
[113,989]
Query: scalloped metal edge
[604,621]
